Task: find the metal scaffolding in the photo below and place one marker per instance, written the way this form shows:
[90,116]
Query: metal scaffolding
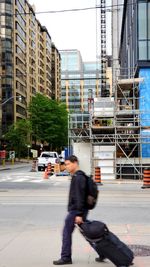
[79,127]
[127,129]
[115,132]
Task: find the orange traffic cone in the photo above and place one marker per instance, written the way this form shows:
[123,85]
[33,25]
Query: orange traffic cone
[98,175]
[45,176]
[146,178]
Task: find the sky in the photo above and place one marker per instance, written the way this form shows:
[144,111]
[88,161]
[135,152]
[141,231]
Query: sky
[73,30]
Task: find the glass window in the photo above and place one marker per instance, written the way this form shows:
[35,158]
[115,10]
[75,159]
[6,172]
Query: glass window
[20,42]
[20,75]
[20,87]
[8,32]
[6,57]
[20,30]
[20,52]
[20,8]
[21,110]
[148,20]
[20,19]
[142,50]
[9,21]
[8,8]
[148,50]
[22,2]
[8,70]
[142,21]
[7,81]
[20,64]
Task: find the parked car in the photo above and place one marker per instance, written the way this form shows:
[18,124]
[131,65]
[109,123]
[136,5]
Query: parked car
[62,160]
[47,157]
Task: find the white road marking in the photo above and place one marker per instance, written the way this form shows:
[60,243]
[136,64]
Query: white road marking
[33,203]
[36,181]
[34,178]
[19,180]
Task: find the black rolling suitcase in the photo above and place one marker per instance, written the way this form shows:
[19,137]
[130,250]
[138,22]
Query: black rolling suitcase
[106,244]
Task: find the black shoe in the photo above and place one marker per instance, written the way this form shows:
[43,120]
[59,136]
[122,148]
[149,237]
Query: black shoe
[100,259]
[62,262]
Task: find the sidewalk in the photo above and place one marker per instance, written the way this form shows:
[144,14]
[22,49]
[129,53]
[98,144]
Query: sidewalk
[27,242]
[39,247]
[16,165]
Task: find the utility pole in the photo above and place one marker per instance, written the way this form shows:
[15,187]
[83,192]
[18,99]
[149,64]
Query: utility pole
[0,87]
[101,45]
[104,92]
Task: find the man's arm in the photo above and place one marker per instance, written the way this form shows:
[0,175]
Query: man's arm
[80,192]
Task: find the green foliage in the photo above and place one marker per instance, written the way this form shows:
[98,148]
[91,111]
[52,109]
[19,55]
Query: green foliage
[18,136]
[49,121]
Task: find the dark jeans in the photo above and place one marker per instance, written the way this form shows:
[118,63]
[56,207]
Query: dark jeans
[69,226]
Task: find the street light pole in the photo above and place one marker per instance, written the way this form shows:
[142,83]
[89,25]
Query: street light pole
[3,103]
[28,157]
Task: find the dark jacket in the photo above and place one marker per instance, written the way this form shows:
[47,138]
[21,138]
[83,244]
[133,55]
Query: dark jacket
[77,193]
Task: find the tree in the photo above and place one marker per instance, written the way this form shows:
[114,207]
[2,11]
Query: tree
[18,136]
[49,121]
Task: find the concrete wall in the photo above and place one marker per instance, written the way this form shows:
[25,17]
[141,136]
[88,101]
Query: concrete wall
[83,152]
[104,157]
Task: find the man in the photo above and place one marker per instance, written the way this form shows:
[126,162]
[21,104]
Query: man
[77,208]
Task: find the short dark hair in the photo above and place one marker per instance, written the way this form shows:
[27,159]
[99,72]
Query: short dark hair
[72,158]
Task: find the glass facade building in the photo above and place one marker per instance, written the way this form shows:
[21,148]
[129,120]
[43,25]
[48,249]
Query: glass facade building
[135,57]
[144,30]
[78,78]
[135,34]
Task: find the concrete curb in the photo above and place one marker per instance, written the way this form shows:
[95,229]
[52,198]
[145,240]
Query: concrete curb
[6,168]
[125,181]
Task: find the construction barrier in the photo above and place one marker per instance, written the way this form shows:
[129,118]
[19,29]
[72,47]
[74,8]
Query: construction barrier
[34,162]
[146,178]
[97,176]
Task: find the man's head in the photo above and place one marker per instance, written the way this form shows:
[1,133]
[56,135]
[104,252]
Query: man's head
[72,164]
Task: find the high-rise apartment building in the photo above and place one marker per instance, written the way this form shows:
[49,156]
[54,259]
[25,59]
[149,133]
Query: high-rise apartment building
[79,80]
[25,60]
[56,73]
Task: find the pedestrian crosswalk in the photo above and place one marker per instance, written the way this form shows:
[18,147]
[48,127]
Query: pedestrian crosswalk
[32,178]
[19,179]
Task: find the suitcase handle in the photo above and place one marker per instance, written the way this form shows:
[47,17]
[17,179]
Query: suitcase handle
[95,239]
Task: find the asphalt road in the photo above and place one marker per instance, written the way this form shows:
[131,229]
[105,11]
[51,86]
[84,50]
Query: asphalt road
[24,190]
[32,210]
[27,198]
